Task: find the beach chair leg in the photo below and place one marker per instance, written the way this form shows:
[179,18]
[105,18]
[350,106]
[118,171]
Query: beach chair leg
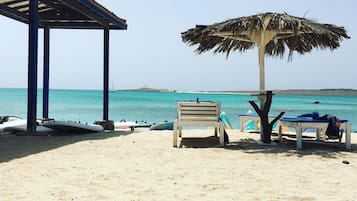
[180,131]
[241,125]
[221,135]
[175,135]
[256,124]
[318,134]
[348,137]
[298,138]
[323,134]
[280,134]
[340,135]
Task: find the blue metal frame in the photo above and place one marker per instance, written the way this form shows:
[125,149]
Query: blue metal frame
[64,14]
[46,71]
[105,15]
[32,67]
[106,76]
[61,14]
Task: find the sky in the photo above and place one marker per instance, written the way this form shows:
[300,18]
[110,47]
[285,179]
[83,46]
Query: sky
[150,53]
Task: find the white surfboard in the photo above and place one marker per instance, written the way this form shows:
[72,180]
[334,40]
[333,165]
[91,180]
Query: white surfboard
[14,123]
[72,127]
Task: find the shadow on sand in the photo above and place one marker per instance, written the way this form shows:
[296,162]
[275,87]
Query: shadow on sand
[287,147]
[13,147]
[199,142]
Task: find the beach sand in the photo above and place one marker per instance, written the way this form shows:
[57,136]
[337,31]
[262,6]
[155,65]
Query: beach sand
[144,166]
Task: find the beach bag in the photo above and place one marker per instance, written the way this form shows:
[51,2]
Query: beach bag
[333,128]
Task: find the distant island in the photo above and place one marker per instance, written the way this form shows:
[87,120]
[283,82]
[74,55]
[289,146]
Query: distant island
[316,92]
[320,92]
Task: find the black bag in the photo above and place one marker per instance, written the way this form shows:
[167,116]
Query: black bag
[333,128]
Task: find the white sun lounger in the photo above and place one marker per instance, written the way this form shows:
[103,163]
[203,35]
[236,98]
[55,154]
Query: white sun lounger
[204,114]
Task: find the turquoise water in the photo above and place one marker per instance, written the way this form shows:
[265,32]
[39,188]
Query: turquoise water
[155,107]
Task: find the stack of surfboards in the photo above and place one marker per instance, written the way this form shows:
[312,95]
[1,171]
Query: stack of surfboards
[11,124]
[72,127]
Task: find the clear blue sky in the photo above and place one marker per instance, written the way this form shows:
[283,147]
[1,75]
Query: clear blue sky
[151,52]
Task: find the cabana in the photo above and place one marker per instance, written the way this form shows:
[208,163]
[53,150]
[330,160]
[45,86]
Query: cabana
[59,14]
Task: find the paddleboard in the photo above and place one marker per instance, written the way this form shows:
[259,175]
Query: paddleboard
[227,124]
[72,127]
[23,129]
[163,126]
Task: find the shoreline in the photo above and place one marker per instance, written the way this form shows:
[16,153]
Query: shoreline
[312,92]
[144,166]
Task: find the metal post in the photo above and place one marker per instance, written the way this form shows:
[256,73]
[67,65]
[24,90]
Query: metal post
[46,72]
[106,75]
[32,67]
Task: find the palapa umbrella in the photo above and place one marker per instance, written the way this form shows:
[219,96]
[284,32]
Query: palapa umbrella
[272,33]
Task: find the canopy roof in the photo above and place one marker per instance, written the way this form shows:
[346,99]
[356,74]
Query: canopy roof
[64,14]
[274,31]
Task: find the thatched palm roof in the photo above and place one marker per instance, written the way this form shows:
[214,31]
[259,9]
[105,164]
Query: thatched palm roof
[282,30]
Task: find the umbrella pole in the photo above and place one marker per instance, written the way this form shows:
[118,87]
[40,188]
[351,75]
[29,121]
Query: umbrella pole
[261,69]
[261,97]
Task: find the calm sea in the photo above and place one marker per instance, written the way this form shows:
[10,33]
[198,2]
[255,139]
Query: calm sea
[156,107]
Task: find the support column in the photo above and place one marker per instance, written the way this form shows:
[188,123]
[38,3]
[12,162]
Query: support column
[46,72]
[32,67]
[106,76]
[261,97]
[262,38]
[261,69]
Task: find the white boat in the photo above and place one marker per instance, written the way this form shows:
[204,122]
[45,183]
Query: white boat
[315,102]
[72,127]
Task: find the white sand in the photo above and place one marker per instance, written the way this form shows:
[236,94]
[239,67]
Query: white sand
[144,166]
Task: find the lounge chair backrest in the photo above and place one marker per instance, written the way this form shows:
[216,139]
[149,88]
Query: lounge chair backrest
[201,111]
[203,114]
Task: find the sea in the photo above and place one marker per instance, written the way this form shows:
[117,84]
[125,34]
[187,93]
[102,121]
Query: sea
[86,106]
